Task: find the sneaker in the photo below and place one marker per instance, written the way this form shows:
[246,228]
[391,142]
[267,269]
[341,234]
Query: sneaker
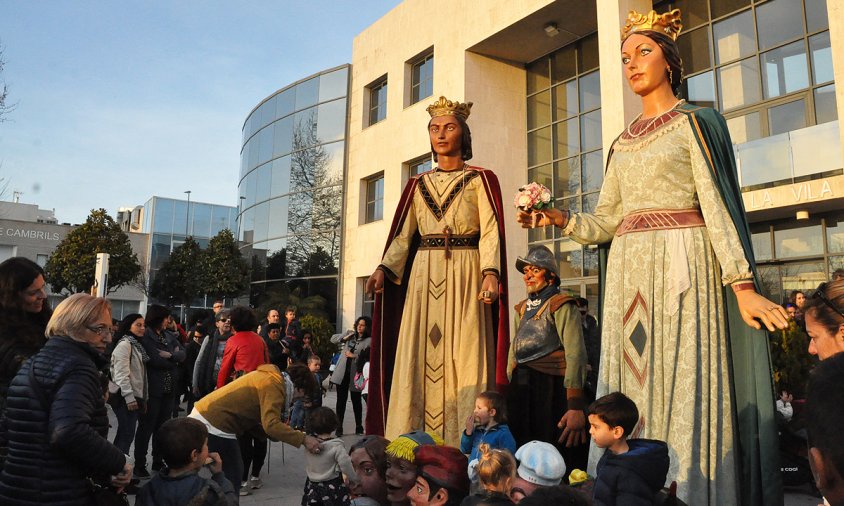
[243,489]
[255,482]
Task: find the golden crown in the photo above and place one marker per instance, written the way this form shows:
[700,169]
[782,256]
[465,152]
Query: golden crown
[445,107]
[668,23]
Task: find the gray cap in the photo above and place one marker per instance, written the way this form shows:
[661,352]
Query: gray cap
[539,256]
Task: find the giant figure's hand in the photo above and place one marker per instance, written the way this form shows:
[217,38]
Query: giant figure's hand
[573,424]
[375,283]
[753,305]
[489,289]
[536,219]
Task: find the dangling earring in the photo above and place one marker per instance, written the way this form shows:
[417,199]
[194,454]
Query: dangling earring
[670,77]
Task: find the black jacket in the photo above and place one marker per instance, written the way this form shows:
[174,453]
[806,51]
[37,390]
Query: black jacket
[187,490]
[632,478]
[205,379]
[161,371]
[51,453]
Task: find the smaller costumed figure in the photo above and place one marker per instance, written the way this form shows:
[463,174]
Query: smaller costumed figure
[547,362]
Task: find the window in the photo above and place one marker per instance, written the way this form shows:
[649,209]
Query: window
[419,165]
[377,93]
[752,56]
[375,198]
[41,259]
[564,142]
[422,78]
[367,301]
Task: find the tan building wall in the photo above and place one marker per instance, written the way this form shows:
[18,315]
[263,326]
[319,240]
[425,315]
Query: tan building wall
[496,87]
[480,50]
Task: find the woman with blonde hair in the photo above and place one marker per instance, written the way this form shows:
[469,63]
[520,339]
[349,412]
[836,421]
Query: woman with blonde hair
[496,471]
[56,419]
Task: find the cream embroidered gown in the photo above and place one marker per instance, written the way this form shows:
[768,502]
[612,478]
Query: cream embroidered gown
[445,350]
[663,339]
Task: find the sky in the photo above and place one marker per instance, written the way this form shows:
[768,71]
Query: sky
[117,101]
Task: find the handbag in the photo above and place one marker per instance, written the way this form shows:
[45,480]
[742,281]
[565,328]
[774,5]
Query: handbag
[359,381]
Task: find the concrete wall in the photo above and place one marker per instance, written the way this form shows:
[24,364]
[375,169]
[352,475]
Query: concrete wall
[498,128]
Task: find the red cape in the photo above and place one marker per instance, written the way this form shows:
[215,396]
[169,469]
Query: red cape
[389,304]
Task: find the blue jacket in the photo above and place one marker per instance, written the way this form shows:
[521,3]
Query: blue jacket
[632,478]
[498,436]
[162,490]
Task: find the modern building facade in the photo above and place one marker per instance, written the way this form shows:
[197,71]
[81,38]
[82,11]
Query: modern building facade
[168,222]
[33,233]
[292,168]
[549,98]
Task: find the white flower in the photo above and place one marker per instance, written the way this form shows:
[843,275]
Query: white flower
[545,196]
[524,201]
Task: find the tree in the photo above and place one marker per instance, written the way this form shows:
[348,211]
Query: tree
[180,279]
[72,264]
[321,330]
[225,272]
[5,107]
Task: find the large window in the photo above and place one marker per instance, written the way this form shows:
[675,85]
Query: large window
[564,148]
[374,198]
[377,93]
[797,255]
[419,165]
[422,77]
[766,65]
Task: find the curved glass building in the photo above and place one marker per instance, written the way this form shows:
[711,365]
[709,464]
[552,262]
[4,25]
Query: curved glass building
[291,193]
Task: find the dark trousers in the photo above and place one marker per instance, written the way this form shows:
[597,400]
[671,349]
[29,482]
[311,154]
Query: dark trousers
[159,410]
[253,451]
[535,402]
[343,394]
[127,422]
[229,450]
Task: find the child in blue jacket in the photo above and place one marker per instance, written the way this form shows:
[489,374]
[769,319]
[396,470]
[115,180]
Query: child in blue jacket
[631,471]
[487,424]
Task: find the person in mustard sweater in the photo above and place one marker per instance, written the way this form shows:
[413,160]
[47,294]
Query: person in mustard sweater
[252,402]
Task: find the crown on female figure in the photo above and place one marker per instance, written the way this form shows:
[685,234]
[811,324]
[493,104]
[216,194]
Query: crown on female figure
[668,23]
[445,107]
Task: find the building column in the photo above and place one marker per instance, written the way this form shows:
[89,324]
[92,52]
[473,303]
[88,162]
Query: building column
[835,12]
[619,105]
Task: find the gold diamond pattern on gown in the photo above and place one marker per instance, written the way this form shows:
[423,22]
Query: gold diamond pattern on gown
[435,335]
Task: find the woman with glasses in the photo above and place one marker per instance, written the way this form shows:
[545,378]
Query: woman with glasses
[24,313]
[354,342]
[129,373]
[56,423]
[824,314]
[164,352]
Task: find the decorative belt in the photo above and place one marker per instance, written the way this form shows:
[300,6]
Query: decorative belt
[448,242]
[660,219]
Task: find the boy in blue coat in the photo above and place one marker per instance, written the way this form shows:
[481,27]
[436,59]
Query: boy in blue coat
[487,424]
[630,472]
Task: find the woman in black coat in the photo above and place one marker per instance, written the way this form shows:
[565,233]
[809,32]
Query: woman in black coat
[24,313]
[56,420]
[165,352]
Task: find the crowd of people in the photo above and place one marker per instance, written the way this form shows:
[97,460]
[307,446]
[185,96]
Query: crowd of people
[61,367]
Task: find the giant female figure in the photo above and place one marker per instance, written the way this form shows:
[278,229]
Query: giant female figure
[440,329]
[680,308]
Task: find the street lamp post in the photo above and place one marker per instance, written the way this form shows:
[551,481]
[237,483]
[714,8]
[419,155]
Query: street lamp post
[187,215]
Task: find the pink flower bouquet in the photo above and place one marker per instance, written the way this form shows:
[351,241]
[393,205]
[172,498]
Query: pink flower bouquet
[532,197]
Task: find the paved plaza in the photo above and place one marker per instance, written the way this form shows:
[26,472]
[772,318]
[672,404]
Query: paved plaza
[284,472]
